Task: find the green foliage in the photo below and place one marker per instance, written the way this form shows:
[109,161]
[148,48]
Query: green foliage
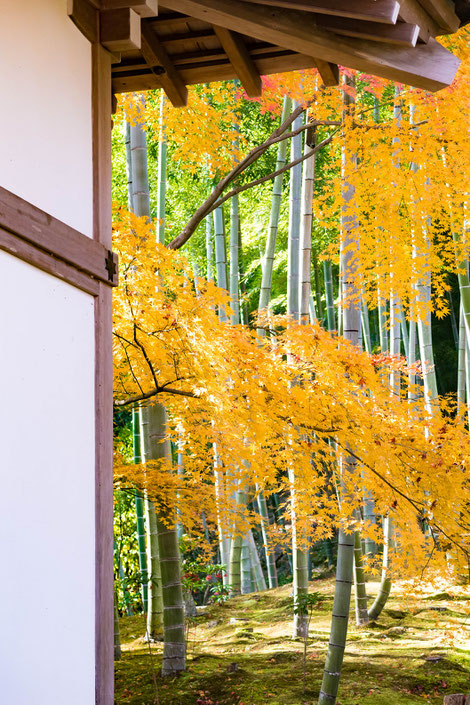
[126,553]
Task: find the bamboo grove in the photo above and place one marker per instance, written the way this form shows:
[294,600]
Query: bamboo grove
[310,414]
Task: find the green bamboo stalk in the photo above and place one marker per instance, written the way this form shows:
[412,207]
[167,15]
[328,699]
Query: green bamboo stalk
[243,303]
[312,310]
[305,253]
[209,249]
[461,363]
[318,302]
[123,579]
[397,329]
[127,143]
[162,167]
[395,341]
[268,260]
[220,255]
[299,569]
[268,552]
[362,616]
[404,330]
[246,568]
[345,559]
[467,378]
[278,515]
[423,296]
[453,319]
[329,296]
[464,287]
[180,471]
[117,635]
[235,252]
[141,205]
[174,642]
[411,357]
[139,170]
[383,331]
[365,326]
[224,541]
[386,583]
[293,248]
[235,571]
[370,546]
[426,351]
[155,595]
[260,580]
[139,511]
[234,260]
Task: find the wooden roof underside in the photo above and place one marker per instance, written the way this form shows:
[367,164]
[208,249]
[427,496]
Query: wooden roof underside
[183,42]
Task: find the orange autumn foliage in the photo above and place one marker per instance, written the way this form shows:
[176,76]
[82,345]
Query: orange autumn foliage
[300,398]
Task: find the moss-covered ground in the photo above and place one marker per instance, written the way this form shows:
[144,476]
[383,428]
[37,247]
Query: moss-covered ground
[242,653]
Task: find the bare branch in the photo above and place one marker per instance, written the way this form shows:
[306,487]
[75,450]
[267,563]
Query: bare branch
[153,393]
[238,169]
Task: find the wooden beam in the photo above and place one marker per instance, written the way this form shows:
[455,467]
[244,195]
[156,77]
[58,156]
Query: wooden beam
[443,13]
[329,72]
[427,66]
[144,8]
[85,17]
[384,11]
[155,54]
[215,71]
[237,53]
[401,33]
[120,30]
[413,13]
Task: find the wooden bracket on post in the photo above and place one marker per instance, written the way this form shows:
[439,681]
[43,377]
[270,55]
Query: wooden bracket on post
[116,29]
[120,30]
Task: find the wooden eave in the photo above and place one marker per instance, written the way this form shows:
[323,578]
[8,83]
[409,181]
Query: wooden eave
[184,42]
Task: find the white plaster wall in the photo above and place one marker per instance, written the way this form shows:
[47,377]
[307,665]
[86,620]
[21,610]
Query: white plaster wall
[47,581]
[45,110]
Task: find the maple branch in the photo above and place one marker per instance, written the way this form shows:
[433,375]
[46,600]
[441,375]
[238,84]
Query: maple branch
[152,393]
[210,203]
[273,174]
[414,503]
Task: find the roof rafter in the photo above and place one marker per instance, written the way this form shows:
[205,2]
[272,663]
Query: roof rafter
[442,12]
[237,53]
[384,11]
[400,33]
[427,66]
[156,55]
[411,11]
[329,72]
